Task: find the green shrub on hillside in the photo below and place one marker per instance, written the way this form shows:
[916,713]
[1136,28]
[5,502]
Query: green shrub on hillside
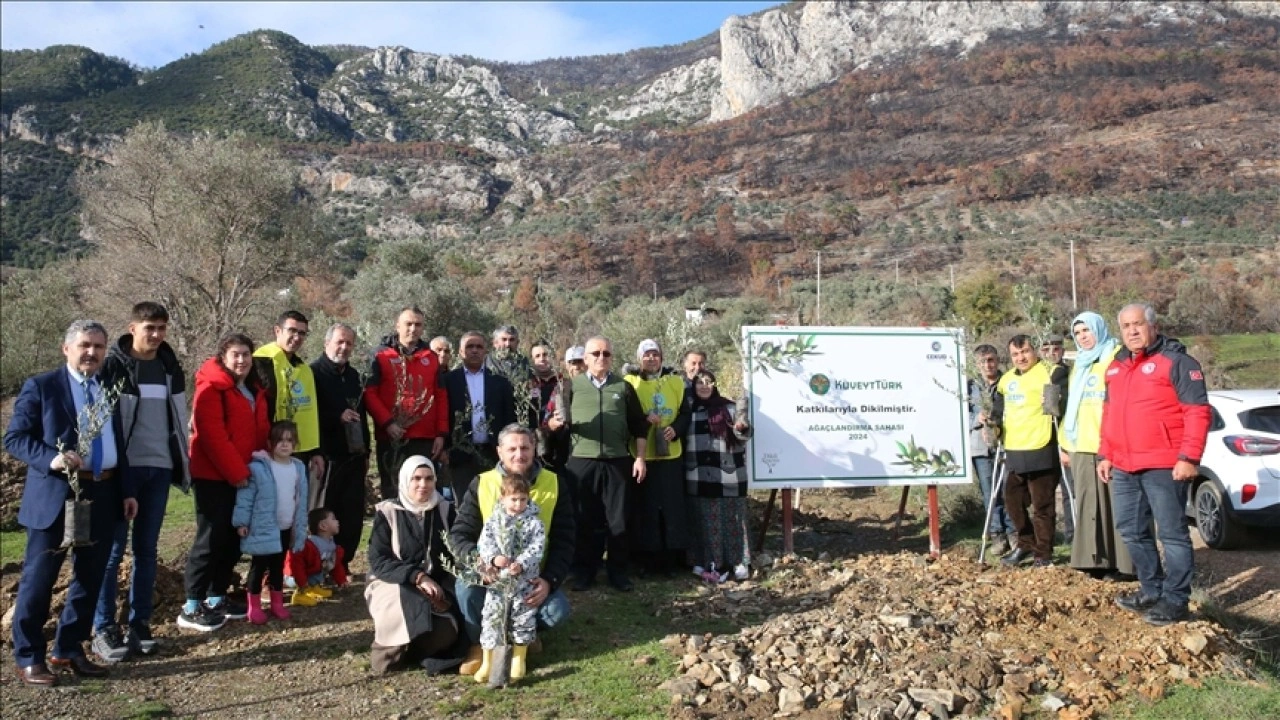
[40,215]
[59,73]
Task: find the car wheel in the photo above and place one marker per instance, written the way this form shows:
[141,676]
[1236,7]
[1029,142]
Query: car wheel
[1216,527]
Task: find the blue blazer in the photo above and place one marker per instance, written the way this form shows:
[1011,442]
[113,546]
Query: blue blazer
[256,510]
[44,413]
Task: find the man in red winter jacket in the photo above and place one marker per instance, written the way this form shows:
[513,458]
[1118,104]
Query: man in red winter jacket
[406,400]
[1155,420]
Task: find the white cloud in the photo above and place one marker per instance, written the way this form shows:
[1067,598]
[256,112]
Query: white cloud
[152,34]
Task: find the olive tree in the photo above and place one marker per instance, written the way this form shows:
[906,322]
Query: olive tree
[210,227]
[404,272]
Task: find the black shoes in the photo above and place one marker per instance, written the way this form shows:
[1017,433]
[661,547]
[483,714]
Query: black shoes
[140,641]
[1163,613]
[1137,602]
[1017,557]
[621,583]
[579,583]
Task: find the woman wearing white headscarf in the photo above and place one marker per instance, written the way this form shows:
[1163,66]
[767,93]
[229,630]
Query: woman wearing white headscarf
[409,594]
[1095,549]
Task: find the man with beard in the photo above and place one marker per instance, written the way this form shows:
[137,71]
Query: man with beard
[406,399]
[516,457]
[291,393]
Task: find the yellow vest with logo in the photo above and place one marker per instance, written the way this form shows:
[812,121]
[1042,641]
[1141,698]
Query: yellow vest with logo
[300,385]
[663,395]
[1089,415]
[545,491]
[1026,427]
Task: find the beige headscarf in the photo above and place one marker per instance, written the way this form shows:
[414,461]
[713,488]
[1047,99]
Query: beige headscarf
[406,474]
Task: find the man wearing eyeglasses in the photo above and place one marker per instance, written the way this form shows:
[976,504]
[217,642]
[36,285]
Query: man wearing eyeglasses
[291,394]
[603,414]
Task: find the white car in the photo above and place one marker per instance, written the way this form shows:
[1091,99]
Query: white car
[1239,482]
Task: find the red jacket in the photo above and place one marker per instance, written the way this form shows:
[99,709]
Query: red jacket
[423,368]
[226,429]
[1156,410]
[302,565]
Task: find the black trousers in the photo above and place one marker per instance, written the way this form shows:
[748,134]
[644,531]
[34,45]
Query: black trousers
[346,498]
[391,455]
[269,566]
[216,549]
[603,493]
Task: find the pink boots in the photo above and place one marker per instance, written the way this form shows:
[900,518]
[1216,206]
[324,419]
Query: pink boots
[256,615]
[278,610]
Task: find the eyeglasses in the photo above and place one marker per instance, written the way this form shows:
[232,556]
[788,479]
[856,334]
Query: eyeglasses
[296,331]
[598,353]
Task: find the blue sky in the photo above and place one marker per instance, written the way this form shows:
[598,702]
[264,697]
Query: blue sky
[151,34]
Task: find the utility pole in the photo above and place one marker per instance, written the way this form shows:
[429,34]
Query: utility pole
[952,268]
[1075,306]
[817,318]
[655,292]
[895,271]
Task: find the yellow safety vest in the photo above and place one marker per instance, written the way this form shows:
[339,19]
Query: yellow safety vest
[299,384]
[1026,427]
[664,395]
[545,491]
[1089,415]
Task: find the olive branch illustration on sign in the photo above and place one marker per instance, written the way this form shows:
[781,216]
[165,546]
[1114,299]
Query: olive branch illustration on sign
[779,356]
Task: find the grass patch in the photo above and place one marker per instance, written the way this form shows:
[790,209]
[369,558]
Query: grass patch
[607,661]
[1216,698]
[1249,360]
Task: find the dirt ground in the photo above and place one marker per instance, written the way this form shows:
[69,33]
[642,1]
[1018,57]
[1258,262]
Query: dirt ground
[315,666]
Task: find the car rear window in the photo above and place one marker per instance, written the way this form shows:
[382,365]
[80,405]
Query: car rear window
[1263,419]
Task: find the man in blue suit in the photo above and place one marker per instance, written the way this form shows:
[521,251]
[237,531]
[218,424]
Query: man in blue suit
[46,412]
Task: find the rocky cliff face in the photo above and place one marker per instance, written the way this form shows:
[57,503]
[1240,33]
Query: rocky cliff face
[396,94]
[781,52]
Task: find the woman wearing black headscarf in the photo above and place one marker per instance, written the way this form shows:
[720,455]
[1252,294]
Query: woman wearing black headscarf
[716,481]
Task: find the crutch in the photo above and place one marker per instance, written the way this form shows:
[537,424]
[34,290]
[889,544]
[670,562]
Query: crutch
[1067,482]
[997,484]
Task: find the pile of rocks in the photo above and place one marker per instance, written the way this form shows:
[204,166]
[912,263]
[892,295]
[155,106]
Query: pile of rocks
[894,636]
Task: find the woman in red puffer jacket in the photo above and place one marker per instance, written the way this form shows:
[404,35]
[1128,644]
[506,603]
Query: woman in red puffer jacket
[230,422]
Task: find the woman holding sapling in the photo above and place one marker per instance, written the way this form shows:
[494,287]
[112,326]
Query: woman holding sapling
[1096,548]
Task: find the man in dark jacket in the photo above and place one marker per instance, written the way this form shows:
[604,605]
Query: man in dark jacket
[516,445]
[153,413]
[344,436]
[1155,420]
[480,403]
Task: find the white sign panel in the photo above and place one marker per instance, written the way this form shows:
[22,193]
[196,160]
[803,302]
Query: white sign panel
[856,406]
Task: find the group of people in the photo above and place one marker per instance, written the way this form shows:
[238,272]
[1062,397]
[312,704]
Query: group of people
[1125,424]
[515,474]
[506,479]
[545,475]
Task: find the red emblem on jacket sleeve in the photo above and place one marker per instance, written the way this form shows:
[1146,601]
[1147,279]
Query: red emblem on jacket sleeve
[1197,375]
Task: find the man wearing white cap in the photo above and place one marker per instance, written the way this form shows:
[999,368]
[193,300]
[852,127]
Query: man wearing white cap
[659,524]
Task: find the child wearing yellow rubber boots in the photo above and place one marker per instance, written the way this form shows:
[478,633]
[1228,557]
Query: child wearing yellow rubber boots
[320,560]
[510,549]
